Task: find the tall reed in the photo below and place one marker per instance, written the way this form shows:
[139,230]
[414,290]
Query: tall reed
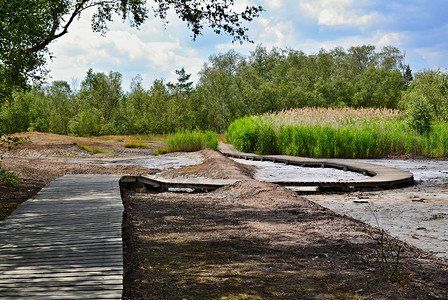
[342,133]
[188,141]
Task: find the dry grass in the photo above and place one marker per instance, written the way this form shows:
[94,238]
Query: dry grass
[334,117]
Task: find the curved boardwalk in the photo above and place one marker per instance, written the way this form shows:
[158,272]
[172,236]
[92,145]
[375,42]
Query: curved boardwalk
[65,243]
[380,176]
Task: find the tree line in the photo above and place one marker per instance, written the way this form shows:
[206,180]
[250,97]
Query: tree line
[230,86]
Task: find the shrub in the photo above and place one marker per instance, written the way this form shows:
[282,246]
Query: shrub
[267,140]
[159,151]
[8,142]
[8,176]
[86,123]
[242,133]
[419,113]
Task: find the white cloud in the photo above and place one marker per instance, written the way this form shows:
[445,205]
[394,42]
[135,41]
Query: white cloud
[338,12]
[431,55]
[390,38]
[277,33]
[273,4]
[150,52]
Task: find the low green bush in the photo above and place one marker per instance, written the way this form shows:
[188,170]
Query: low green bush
[8,176]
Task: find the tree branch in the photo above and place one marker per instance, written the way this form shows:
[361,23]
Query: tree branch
[52,36]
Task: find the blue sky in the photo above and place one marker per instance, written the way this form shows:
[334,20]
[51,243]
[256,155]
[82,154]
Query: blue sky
[418,27]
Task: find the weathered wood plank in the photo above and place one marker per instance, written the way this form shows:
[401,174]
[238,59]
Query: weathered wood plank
[65,243]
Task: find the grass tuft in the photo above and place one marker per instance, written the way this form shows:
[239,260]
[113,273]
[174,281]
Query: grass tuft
[133,144]
[188,141]
[92,149]
[159,151]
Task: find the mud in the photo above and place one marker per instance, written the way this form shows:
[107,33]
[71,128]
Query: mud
[278,171]
[166,161]
[417,214]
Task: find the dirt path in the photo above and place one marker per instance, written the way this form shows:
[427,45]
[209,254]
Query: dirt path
[254,240]
[251,240]
[40,160]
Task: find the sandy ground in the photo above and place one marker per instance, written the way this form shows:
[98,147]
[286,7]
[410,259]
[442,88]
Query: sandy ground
[250,240]
[416,214]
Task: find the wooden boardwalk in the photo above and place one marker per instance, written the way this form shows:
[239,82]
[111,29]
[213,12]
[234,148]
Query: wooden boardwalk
[380,176]
[65,243]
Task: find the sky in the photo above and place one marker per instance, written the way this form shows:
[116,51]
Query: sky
[417,27]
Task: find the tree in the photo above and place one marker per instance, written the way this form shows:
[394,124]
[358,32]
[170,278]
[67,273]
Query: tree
[408,77]
[429,84]
[27,27]
[183,86]
[361,57]
[390,58]
[98,104]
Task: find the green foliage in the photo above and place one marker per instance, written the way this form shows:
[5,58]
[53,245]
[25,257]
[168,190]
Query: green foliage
[360,138]
[235,86]
[15,114]
[243,133]
[212,140]
[419,112]
[8,176]
[187,141]
[230,87]
[133,144]
[86,123]
[408,77]
[183,86]
[28,27]
[433,85]
[251,134]
[8,142]
[159,151]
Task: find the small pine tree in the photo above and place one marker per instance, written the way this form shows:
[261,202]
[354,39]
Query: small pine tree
[182,86]
[408,77]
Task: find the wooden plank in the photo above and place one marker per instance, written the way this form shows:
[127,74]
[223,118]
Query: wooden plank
[65,243]
[69,272]
[68,241]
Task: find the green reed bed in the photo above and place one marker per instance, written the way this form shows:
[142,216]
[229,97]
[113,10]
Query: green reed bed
[187,141]
[340,135]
